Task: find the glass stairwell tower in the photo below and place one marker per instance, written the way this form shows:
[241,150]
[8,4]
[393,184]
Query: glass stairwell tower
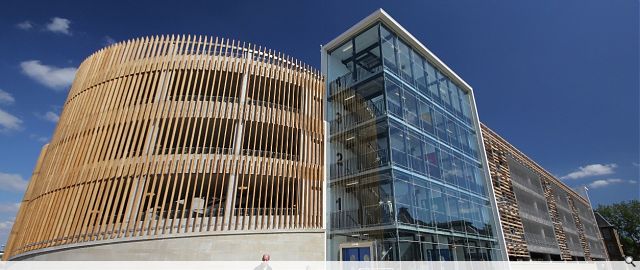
[407,175]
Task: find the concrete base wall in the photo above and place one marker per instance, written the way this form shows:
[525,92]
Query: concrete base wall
[282,246]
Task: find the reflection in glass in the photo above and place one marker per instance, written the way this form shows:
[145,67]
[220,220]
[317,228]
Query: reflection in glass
[388,49]
[409,175]
[404,61]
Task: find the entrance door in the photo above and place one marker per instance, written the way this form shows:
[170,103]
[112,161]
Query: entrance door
[356,254]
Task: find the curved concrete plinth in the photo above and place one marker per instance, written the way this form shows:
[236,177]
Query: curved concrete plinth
[282,246]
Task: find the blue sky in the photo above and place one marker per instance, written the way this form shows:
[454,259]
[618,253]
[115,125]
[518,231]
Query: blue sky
[558,79]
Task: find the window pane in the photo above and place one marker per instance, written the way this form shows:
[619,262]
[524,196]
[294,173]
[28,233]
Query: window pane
[455,100]
[445,252]
[394,98]
[398,150]
[467,176]
[438,200]
[423,198]
[452,132]
[404,192]
[458,167]
[466,211]
[340,61]
[367,56]
[404,198]
[376,200]
[414,147]
[411,109]
[430,252]
[452,207]
[440,211]
[477,218]
[443,88]
[409,251]
[447,168]
[390,251]
[432,81]
[426,118]
[441,125]
[405,214]
[462,138]
[388,49]
[473,144]
[418,72]
[466,107]
[479,177]
[486,219]
[433,160]
[423,204]
[404,61]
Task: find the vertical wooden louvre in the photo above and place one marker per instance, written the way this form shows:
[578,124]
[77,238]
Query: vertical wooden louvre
[180,134]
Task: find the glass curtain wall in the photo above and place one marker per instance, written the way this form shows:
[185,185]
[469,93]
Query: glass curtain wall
[405,170]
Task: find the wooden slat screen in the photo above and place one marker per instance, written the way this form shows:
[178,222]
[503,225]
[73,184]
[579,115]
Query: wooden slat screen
[179,134]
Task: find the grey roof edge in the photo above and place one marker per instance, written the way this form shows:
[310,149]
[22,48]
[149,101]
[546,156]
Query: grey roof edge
[381,15]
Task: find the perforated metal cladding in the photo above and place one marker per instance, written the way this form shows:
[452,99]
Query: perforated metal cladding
[517,179]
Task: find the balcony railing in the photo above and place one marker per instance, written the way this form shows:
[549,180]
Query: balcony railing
[193,150]
[248,101]
[529,186]
[239,52]
[370,109]
[359,164]
[345,81]
[528,190]
[540,217]
[364,217]
[563,207]
[225,151]
[345,219]
[538,240]
[269,154]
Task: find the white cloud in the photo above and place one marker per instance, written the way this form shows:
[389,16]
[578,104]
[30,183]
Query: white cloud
[9,207]
[12,182]
[59,25]
[6,225]
[108,40]
[633,182]
[635,164]
[51,117]
[26,25]
[9,122]
[5,230]
[38,138]
[591,170]
[50,76]
[6,98]
[604,183]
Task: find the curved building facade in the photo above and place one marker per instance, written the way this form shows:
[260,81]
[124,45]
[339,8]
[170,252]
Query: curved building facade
[180,147]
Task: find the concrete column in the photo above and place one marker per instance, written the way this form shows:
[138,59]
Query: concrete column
[135,197]
[161,95]
[237,148]
[137,190]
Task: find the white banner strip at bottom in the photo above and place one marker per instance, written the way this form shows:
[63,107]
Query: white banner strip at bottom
[310,265]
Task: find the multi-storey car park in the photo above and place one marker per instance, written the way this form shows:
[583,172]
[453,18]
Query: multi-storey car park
[194,148]
[541,217]
[180,148]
